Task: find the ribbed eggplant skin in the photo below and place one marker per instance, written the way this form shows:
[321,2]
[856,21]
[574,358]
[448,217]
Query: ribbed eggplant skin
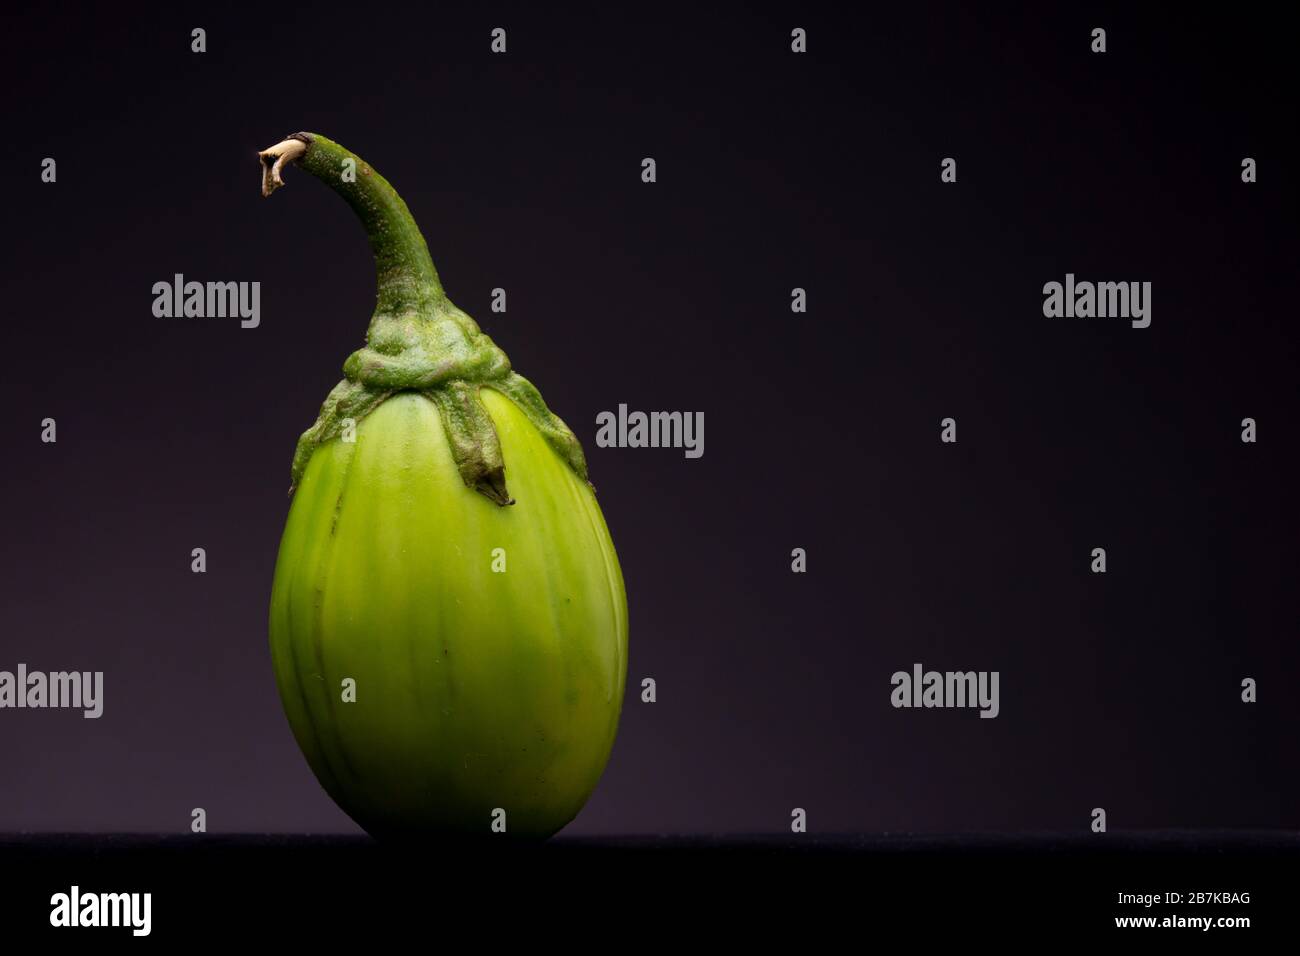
[477,691]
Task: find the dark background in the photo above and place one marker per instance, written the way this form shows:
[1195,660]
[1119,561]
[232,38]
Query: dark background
[822,430]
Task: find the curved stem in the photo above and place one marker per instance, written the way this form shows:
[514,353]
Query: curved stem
[406,279]
[417,340]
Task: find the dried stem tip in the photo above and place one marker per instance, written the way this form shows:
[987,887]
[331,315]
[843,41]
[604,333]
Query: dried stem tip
[273,159]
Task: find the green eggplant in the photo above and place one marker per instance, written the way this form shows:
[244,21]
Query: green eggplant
[450,650]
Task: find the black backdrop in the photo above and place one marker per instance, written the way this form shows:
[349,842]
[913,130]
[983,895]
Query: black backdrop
[775,170]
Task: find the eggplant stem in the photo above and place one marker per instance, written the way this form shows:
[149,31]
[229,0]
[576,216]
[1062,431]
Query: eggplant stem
[418,340]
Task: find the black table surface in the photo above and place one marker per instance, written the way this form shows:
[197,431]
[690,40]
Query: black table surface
[1136,842]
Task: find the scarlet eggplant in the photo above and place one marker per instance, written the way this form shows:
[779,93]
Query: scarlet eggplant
[450,653]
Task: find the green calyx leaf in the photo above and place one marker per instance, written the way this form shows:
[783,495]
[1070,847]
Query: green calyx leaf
[418,339]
